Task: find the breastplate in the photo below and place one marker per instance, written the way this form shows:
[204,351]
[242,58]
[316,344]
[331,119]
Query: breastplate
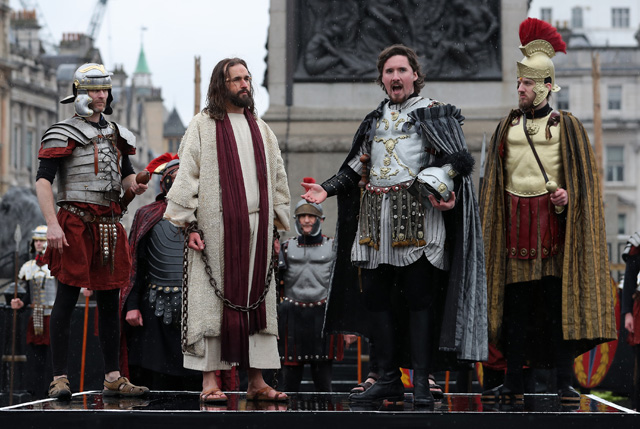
[42,285]
[523,175]
[91,174]
[308,270]
[164,255]
[397,156]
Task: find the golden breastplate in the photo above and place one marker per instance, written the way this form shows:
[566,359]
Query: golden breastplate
[523,176]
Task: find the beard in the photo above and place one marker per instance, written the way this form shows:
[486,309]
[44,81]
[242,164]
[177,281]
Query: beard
[241,99]
[525,105]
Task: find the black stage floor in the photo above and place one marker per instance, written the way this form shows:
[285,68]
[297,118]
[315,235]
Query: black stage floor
[308,411]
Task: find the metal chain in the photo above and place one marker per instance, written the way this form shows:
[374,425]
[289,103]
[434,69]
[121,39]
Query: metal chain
[193,227]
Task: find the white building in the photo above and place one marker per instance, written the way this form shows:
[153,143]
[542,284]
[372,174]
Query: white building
[610,29]
[593,22]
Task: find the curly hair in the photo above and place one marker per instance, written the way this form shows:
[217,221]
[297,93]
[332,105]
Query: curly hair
[394,50]
[217,95]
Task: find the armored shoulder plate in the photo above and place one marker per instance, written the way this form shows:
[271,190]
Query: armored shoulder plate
[126,134]
[73,128]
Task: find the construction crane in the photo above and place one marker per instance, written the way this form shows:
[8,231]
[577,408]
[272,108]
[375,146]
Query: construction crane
[96,19]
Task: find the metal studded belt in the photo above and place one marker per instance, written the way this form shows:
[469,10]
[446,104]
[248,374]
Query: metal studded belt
[306,304]
[385,189]
[165,289]
[90,217]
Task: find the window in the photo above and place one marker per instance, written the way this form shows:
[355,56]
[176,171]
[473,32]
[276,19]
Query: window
[545,14]
[614,97]
[615,163]
[28,150]
[15,147]
[562,98]
[622,222]
[576,17]
[620,17]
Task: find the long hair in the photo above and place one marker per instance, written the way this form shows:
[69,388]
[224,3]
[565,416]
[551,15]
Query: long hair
[394,50]
[217,94]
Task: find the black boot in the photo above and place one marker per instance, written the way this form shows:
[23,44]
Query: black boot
[422,396]
[389,386]
[420,357]
[564,378]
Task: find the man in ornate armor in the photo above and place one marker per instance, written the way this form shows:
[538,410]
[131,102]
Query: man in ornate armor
[305,270]
[86,243]
[41,293]
[152,302]
[549,292]
[417,247]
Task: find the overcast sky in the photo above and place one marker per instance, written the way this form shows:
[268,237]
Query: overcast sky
[175,33]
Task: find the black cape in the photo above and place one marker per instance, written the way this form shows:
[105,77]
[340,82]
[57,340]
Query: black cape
[463,314]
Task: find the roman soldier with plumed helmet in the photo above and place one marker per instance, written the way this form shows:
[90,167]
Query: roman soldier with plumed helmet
[543,227]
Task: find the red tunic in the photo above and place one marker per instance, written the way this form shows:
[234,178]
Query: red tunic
[80,263]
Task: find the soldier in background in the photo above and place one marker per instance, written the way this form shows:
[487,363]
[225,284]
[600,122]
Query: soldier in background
[41,293]
[305,271]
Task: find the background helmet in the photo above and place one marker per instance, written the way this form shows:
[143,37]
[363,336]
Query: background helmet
[89,76]
[166,165]
[304,207]
[40,234]
[169,175]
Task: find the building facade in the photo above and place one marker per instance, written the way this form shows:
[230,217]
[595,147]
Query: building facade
[33,100]
[609,30]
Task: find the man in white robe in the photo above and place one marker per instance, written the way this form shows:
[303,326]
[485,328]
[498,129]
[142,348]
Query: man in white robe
[233,184]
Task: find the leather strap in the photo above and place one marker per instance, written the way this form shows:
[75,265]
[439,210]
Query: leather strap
[95,156]
[533,148]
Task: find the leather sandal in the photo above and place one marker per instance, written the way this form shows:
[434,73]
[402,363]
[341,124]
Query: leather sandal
[263,395]
[364,386]
[436,389]
[213,396]
[123,387]
[59,389]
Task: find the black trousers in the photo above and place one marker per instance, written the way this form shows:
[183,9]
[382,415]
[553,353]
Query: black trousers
[108,323]
[321,372]
[416,287]
[413,282]
[526,305]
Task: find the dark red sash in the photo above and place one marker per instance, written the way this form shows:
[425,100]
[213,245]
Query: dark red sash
[236,326]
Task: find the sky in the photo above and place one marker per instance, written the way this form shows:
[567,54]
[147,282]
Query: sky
[176,32]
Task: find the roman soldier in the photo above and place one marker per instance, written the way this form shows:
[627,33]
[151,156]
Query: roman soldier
[305,274]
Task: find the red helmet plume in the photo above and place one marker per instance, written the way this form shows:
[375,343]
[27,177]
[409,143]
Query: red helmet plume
[534,29]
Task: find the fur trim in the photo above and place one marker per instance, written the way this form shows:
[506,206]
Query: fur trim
[462,162]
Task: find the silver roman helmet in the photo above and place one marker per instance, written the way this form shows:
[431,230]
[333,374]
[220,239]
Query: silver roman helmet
[437,179]
[313,209]
[89,76]
[39,233]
